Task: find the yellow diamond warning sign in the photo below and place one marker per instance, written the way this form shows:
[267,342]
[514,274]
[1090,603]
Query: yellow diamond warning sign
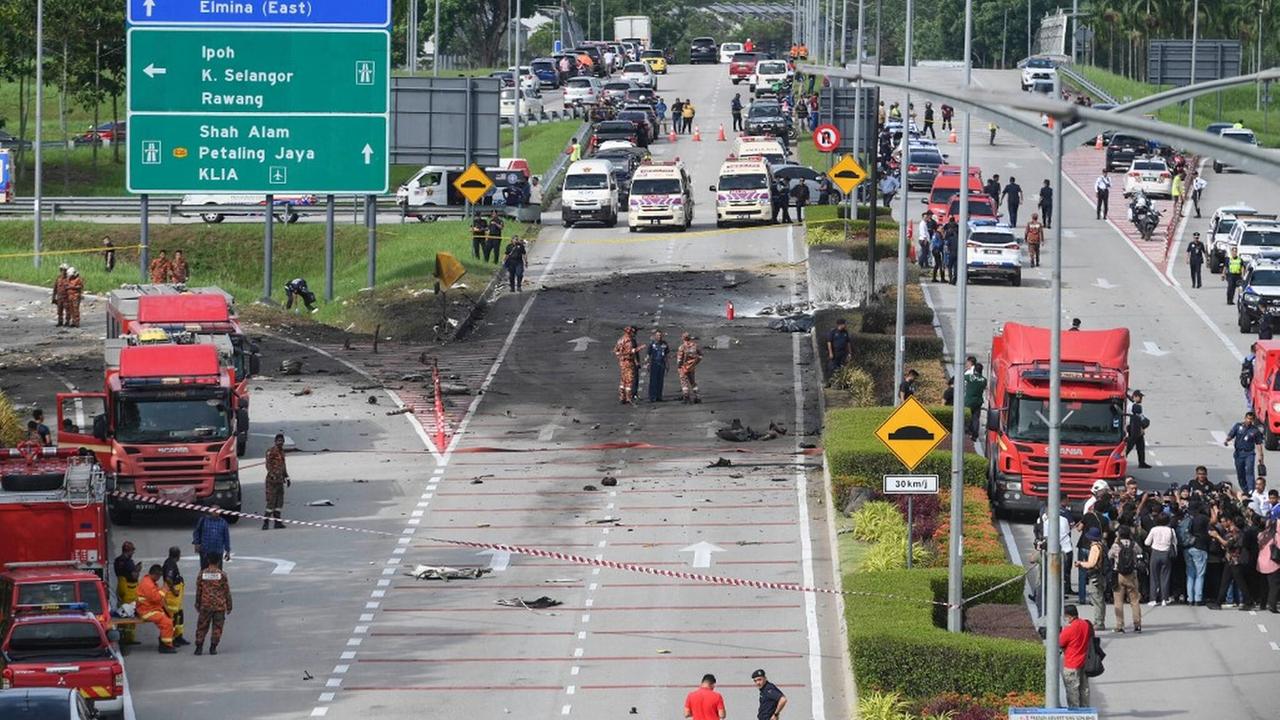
[473,183]
[911,433]
[847,174]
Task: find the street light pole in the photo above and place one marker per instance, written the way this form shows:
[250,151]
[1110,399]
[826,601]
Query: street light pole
[38,236]
[1195,37]
[435,44]
[1053,599]
[519,90]
[1028,28]
[955,548]
[900,315]
[844,33]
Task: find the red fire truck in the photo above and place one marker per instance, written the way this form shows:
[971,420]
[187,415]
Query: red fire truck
[206,314]
[1095,380]
[164,427]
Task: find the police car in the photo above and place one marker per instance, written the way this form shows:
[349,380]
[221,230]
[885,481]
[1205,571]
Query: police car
[994,251]
[1224,218]
[1260,295]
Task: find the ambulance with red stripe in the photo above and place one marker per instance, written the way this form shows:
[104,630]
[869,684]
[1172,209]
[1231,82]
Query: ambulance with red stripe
[744,192]
[660,196]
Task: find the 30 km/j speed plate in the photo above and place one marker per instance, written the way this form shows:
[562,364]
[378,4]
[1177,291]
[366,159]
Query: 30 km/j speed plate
[910,484]
[826,137]
[369,13]
[257,153]
[258,70]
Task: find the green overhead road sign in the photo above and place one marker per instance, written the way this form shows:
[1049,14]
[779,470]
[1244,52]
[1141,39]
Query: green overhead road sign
[257,153]
[258,70]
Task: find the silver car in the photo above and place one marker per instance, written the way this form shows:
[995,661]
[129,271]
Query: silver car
[582,91]
[641,74]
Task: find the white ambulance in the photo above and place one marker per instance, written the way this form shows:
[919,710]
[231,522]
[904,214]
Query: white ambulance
[660,196]
[766,146]
[744,192]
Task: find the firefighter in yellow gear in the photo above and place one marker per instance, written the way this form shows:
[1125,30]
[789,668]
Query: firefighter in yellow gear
[175,585]
[127,573]
[152,598]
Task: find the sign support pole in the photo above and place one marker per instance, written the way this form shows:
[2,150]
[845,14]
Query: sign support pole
[910,514]
[900,314]
[1053,604]
[371,222]
[144,234]
[268,244]
[38,237]
[328,248]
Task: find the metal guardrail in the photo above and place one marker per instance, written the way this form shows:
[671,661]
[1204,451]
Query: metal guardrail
[1083,83]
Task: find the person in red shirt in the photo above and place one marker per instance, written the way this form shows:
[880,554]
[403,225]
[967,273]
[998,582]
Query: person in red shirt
[705,703]
[1074,641]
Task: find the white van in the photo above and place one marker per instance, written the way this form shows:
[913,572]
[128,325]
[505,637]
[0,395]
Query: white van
[430,186]
[744,192]
[590,192]
[213,202]
[765,146]
[660,195]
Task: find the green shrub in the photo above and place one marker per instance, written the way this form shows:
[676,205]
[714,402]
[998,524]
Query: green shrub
[861,387]
[879,521]
[899,646]
[853,449]
[881,317]
[858,249]
[12,431]
[882,706]
[890,554]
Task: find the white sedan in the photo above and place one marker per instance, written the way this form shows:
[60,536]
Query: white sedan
[528,80]
[641,74]
[1151,175]
[727,51]
[530,104]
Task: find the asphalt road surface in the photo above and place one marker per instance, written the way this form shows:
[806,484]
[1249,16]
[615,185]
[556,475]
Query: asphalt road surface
[1185,351]
[328,623]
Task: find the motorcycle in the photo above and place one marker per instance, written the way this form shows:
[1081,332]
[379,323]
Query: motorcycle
[1143,216]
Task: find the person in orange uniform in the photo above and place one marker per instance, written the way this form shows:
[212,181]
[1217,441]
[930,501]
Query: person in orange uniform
[73,293]
[159,269]
[60,294]
[178,270]
[151,606]
[628,354]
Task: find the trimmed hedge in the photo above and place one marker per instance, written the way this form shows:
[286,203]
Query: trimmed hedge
[881,317]
[903,646]
[12,429]
[854,451]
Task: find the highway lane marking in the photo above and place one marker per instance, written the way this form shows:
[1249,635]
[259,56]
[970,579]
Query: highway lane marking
[1262,628]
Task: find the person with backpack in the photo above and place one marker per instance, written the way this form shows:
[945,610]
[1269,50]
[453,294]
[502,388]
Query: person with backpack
[1163,542]
[1074,640]
[1094,565]
[1126,558]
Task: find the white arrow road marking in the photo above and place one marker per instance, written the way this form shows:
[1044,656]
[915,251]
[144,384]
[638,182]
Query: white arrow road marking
[1219,437]
[722,342]
[702,553]
[499,560]
[1153,349]
[580,343]
[283,567]
[368,153]
[151,70]
[1105,284]
[548,431]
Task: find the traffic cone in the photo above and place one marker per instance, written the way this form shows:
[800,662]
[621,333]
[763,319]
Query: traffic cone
[720,136]
[1097,142]
[952,137]
[697,134]
[728,310]
[672,136]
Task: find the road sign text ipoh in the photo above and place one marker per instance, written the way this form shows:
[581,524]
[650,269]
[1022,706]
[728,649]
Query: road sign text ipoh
[260,96]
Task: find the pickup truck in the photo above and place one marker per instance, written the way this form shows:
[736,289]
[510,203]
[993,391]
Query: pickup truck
[68,648]
[743,66]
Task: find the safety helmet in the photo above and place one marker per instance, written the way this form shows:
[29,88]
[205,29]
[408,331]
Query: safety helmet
[1100,486]
[63,266]
[72,272]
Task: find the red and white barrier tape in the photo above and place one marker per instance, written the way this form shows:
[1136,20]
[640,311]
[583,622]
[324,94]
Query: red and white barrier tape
[579,559]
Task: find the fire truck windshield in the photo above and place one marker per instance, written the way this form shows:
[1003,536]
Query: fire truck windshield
[1098,421]
[171,417]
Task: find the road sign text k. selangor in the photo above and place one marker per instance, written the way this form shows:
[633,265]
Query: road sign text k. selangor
[236,97]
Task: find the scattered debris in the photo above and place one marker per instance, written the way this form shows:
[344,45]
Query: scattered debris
[303,391]
[444,572]
[477,481]
[535,604]
[663,651]
[361,388]
[609,481]
[777,479]
[307,676]
[357,480]
[721,462]
[590,488]
[373,400]
[793,324]
[402,411]
[454,389]
[483,525]
[291,366]
[807,446]
[561,581]
[736,476]
[606,520]
[413,377]
[323,502]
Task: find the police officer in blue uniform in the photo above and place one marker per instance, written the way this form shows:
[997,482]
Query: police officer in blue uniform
[1247,439]
[658,351]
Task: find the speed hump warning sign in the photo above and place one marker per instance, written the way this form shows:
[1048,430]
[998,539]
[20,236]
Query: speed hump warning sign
[911,433]
[473,183]
[847,174]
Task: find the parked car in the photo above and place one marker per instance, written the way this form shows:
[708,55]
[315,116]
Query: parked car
[648,131]
[528,79]
[582,91]
[1122,150]
[922,166]
[656,60]
[507,77]
[614,130]
[640,74]
[1243,135]
[67,649]
[1038,68]
[1218,127]
[530,104]
[703,50]
[46,703]
[767,118]
[743,66]
[11,142]
[641,95]
[617,89]
[993,251]
[1149,175]
[981,209]
[728,50]
[547,72]
[107,132]
[769,72]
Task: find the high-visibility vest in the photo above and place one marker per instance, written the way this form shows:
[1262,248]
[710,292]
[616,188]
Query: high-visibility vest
[1235,265]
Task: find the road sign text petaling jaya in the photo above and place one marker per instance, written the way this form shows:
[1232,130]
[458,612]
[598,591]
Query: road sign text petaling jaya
[269,70]
[370,13]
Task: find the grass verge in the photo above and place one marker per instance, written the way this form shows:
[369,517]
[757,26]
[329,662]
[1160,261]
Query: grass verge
[1237,103]
[230,256]
[11,428]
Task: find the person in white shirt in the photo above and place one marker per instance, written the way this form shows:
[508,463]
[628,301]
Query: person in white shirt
[1163,542]
[1197,187]
[609,60]
[1065,543]
[1258,500]
[1102,189]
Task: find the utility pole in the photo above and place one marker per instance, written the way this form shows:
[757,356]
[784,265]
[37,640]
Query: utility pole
[515,121]
[844,34]
[858,153]
[955,563]
[1075,13]
[900,325]
[1195,37]
[411,38]
[1053,593]
[39,240]
[1028,28]
[1004,41]
[435,44]
[879,62]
